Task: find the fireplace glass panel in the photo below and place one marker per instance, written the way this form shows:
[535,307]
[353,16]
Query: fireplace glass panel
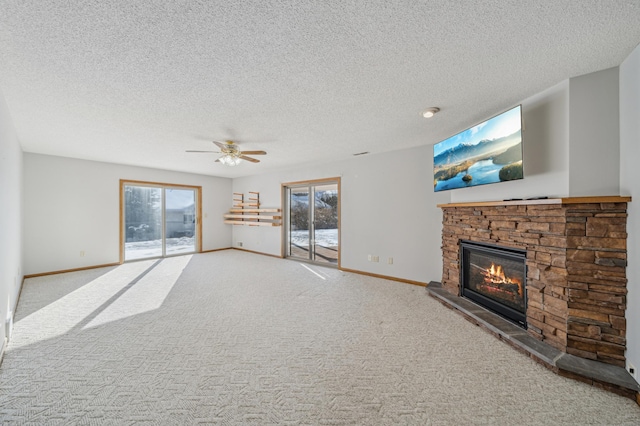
[495,277]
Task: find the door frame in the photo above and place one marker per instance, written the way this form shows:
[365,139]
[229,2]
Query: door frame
[284,204]
[198,191]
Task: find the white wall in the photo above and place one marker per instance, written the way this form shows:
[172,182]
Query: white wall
[545,137]
[630,185]
[73,205]
[11,264]
[570,143]
[388,209]
[594,129]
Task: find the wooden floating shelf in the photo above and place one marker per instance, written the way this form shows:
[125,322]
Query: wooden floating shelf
[248,223]
[254,210]
[250,216]
[250,213]
[246,205]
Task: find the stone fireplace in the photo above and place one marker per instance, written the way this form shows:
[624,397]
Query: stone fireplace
[575,251]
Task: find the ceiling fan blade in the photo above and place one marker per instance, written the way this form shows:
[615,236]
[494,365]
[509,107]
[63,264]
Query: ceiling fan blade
[217,160]
[253,160]
[253,152]
[191,150]
[221,144]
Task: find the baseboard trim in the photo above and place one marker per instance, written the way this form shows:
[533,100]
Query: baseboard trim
[106,265]
[4,346]
[64,271]
[386,277]
[219,249]
[257,252]
[15,304]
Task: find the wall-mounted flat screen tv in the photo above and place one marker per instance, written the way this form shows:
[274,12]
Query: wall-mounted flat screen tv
[489,152]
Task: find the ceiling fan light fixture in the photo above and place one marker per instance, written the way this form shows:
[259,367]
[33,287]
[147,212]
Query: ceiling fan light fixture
[230,160]
[231,155]
[430,112]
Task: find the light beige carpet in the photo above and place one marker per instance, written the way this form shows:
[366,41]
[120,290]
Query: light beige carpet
[236,338]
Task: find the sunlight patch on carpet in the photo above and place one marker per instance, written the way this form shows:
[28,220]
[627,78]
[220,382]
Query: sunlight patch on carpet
[312,271]
[62,315]
[146,295]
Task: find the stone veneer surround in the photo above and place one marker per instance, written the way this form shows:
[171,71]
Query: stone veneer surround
[576,266]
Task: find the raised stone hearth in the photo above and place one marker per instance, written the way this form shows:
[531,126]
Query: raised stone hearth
[576,266]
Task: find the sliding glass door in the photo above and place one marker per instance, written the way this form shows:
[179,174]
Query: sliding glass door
[180,221]
[143,222]
[159,220]
[299,232]
[312,225]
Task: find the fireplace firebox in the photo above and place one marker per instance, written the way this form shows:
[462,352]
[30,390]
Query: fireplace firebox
[495,277]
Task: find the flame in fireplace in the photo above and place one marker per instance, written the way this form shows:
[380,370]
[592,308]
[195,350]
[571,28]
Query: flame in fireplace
[495,275]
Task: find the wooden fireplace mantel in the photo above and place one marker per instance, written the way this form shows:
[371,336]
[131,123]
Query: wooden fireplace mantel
[540,201]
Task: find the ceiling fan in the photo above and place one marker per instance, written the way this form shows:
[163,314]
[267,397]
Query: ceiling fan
[231,155]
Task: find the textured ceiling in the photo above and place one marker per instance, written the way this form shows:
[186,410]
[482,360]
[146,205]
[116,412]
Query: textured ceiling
[139,82]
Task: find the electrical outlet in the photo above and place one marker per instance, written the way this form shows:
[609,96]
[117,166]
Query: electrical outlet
[81,253]
[632,370]
[391,261]
[376,258]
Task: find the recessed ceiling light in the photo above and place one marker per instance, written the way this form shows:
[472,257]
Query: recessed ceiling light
[430,112]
